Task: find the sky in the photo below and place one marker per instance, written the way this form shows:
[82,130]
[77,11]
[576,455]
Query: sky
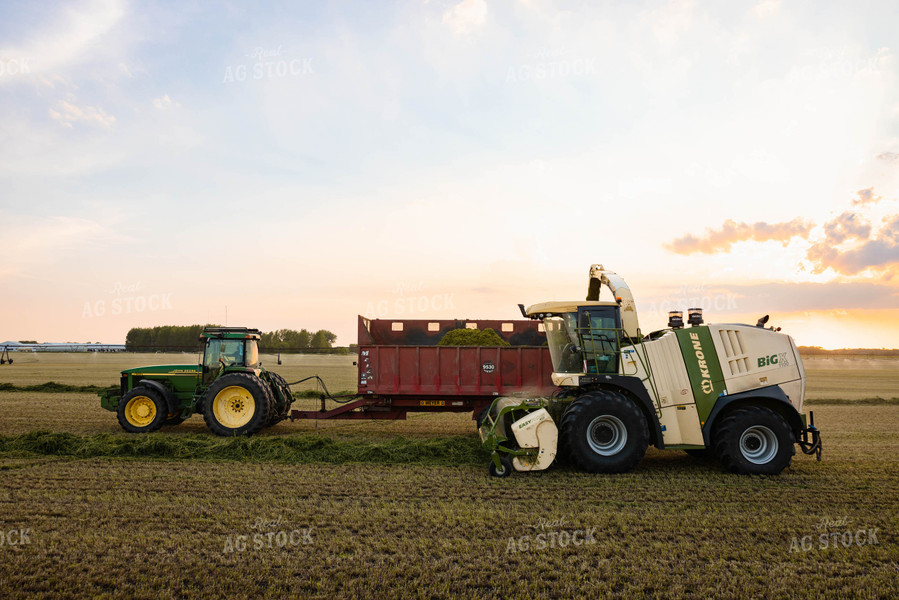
[296,164]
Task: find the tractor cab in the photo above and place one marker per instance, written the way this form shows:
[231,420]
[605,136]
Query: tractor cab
[229,348]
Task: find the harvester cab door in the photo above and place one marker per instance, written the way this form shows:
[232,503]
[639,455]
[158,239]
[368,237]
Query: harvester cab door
[598,330]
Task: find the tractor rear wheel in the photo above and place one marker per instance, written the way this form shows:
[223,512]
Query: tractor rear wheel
[604,432]
[142,410]
[237,404]
[754,440]
[279,413]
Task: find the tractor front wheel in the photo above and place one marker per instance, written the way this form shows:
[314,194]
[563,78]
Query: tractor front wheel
[754,440]
[604,432]
[237,404]
[142,410]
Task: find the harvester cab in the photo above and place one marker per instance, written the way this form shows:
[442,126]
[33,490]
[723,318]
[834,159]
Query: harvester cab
[732,391]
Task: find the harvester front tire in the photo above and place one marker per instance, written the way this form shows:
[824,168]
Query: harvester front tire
[754,441]
[237,404]
[505,468]
[604,432]
[142,410]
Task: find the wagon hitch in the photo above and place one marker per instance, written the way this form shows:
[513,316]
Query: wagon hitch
[810,442]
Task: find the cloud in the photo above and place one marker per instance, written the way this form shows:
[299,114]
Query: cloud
[793,297]
[68,113]
[732,232]
[767,8]
[866,196]
[74,33]
[878,254]
[164,102]
[847,226]
[466,16]
[889,156]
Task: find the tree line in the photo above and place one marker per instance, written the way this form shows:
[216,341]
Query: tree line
[185,338]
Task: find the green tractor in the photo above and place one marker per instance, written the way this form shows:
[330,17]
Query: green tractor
[229,387]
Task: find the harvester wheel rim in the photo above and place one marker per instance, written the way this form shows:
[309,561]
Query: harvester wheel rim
[758,444]
[140,411]
[606,435]
[234,406]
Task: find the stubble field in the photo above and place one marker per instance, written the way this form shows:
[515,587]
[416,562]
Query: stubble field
[404,509]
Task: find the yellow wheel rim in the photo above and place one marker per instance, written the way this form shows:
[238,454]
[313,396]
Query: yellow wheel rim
[233,407]
[140,411]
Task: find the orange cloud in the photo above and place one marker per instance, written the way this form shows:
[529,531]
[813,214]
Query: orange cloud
[732,232]
[866,196]
[879,253]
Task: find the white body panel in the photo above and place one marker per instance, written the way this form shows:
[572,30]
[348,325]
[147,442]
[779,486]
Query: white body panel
[753,357]
[536,430]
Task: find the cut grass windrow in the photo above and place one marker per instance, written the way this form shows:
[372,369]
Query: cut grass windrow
[314,448]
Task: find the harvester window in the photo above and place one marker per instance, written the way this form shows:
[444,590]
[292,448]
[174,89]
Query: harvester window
[599,331]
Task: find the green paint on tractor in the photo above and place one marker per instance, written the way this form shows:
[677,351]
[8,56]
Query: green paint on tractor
[703,368]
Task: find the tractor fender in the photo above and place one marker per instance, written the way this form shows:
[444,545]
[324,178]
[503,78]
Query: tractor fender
[170,399]
[771,397]
[632,388]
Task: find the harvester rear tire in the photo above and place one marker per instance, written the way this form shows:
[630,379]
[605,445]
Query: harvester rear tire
[141,410]
[237,404]
[604,432]
[754,441]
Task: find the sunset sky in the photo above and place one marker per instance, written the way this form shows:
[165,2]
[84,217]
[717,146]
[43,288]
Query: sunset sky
[299,163]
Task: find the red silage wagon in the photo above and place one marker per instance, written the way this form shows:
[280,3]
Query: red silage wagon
[401,368]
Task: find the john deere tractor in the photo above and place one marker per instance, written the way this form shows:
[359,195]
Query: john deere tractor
[235,395]
[730,391]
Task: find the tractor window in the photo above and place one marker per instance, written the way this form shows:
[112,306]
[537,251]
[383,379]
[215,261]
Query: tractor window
[231,352]
[252,352]
[599,330]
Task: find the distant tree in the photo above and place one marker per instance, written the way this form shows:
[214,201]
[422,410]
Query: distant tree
[28,341]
